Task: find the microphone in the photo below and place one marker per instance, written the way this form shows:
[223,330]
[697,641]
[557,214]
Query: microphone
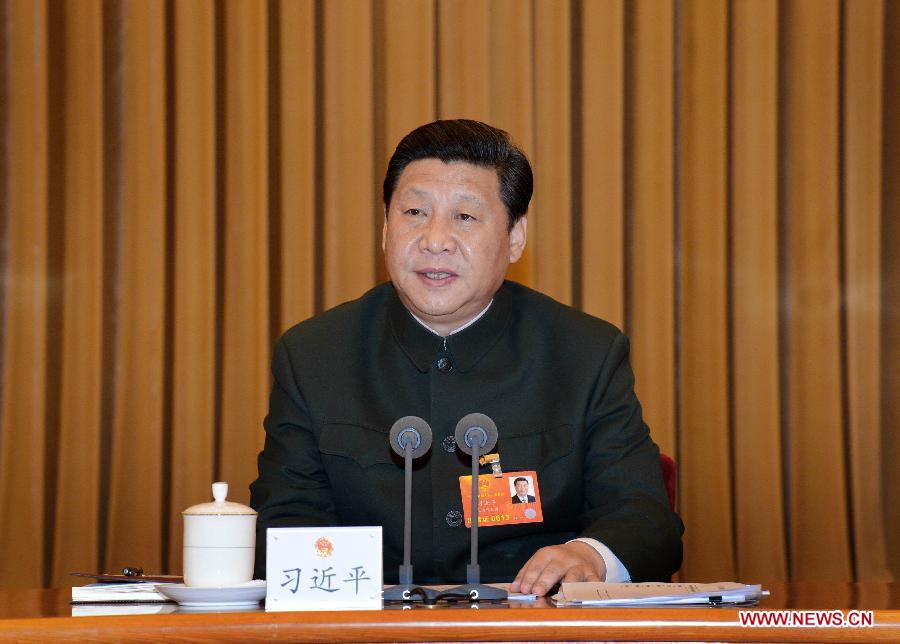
[410,437]
[476,434]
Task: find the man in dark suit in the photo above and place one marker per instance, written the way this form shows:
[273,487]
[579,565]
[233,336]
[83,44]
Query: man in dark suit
[448,335]
[521,495]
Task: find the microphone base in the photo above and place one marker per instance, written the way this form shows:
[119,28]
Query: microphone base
[409,593]
[481,592]
[402,593]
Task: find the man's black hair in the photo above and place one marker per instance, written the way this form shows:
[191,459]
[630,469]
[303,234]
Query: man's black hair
[520,478]
[472,142]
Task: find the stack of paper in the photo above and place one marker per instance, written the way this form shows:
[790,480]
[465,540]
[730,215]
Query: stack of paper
[122,608]
[656,594]
[141,591]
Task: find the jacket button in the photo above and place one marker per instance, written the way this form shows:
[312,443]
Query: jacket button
[444,364]
[454,518]
[449,444]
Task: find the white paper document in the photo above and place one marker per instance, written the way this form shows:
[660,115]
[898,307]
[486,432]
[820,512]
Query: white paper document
[129,608]
[139,591]
[656,594]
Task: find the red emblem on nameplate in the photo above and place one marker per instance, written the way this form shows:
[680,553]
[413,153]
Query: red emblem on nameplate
[324,547]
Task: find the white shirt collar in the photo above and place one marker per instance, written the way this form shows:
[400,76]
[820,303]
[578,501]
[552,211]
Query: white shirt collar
[464,326]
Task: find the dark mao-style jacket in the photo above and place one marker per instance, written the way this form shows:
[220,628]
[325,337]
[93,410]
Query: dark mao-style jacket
[556,381]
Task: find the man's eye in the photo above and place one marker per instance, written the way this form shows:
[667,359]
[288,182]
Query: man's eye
[464,216]
[415,212]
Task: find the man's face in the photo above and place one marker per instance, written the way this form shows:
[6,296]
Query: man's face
[521,488]
[446,241]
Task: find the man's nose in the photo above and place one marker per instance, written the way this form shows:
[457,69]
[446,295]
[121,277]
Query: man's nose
[438,236]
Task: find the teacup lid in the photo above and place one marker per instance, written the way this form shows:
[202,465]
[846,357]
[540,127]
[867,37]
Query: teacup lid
[220,505]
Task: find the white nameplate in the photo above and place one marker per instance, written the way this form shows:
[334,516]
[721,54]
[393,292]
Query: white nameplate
[323,568]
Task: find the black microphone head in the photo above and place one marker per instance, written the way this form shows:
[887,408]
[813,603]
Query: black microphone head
[411,430]
[476,429]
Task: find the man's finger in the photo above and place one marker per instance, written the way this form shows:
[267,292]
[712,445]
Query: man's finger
[581,572]
[529,572]
[539,578]
[591,575]
[552,575]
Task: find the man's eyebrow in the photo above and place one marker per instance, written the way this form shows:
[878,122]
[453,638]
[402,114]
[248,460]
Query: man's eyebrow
[418,192]
[468,197]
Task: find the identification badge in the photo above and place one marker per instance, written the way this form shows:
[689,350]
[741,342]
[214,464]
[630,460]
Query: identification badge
[507,500]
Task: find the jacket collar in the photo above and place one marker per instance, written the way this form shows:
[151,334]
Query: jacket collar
[464,348]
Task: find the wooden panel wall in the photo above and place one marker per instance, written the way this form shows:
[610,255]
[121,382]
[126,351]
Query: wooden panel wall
[24,492]
[244,296]
[889,332]
[862,76]
[754,369]
[193,252]
[704,451]
[84,341]
[182,181]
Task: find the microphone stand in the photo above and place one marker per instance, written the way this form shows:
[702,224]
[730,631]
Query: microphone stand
[404,433]
[488,438]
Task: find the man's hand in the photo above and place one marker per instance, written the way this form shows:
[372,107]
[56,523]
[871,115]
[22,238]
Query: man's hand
[575,561]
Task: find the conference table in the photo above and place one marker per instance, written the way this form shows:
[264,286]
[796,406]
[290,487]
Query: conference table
[47,616]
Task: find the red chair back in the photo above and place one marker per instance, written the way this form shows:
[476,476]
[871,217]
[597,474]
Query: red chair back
[670,478]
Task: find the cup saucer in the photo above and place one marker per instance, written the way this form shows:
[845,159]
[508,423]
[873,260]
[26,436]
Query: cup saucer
[241,595]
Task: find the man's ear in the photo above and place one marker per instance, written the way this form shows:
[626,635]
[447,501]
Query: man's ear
[517,238]
[384,229]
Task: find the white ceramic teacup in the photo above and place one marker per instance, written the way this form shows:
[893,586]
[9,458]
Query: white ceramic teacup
[219,542]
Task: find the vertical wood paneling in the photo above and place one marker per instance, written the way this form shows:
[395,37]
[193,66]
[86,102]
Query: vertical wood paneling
[138,419]
[816,433]
[650,196]
[193,385]
[862,122]
[408,79]
[409,70]
[511,70]
[551,223]
[22,417]
[754,268]
[245,345]
[511,101]
[81,380]
[890,285]
[602,112]
[350,211]
[297,152]
[705,444]
[463,42]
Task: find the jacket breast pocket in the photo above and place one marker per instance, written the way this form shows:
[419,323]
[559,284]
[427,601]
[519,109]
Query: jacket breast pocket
[362,445]
[366,480]
[536,449]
